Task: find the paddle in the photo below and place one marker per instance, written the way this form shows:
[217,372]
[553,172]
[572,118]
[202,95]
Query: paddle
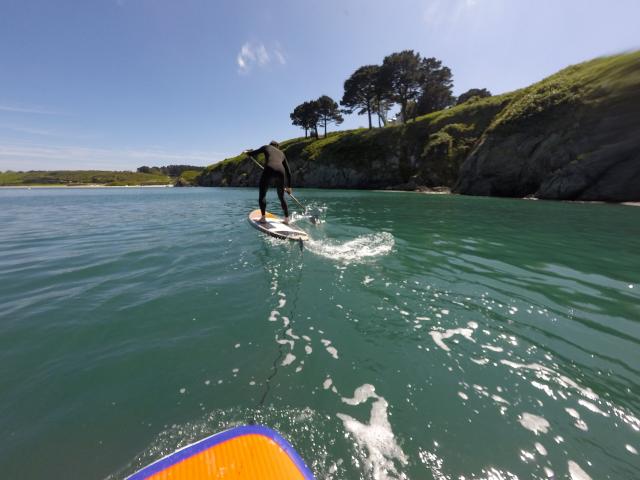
[312,217]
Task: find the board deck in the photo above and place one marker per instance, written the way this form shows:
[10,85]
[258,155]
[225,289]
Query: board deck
[248,452]
[275,227]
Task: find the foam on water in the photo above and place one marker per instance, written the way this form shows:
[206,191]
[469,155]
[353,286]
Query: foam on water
[289,359]
[534,423]
[592,407]
[579,423]
[540,449]
[439,336]
[546,373]
[376,436]
[576,472]
[353,251]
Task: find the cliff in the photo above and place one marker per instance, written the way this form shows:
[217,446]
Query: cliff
[574,135]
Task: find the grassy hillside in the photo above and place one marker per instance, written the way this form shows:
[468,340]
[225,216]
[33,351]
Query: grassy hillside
[428,151]
[81,177]
[568,111]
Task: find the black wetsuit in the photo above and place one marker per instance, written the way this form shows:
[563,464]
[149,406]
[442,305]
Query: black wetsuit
[276,168]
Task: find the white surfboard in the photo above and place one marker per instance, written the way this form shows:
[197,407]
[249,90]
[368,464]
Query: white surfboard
[275,227]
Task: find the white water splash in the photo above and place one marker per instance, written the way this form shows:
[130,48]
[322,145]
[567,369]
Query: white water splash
[534,423]
[376,436]
[333,351]
[540,449]
[579,423]
[358,249]
[493,348]
[576,472]
[289,359]
[546,373]
[439,337]
[592,407]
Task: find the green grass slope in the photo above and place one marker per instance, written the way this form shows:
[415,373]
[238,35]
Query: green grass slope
[81,177]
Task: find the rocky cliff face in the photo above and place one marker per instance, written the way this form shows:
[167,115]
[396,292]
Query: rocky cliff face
[573,136]
[565,138]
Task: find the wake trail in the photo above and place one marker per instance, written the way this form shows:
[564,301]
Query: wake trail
[359,249]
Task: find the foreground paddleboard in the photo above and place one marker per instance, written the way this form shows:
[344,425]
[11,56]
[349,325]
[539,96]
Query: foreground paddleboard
[249,452]
[274,227]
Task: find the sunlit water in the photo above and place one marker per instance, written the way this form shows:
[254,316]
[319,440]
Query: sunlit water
[414,336]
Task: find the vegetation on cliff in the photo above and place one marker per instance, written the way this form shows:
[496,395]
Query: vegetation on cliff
[427,151]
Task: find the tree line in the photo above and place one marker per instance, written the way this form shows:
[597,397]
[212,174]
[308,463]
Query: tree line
[169,170]
[418,85]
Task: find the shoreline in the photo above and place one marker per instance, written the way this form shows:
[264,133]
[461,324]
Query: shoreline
[429,191]
[446,191]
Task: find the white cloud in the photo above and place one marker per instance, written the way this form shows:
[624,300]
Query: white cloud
[38,110]
[439,12]
[29,130]
[46,157]
[251,55]
[279,57]
[263,56]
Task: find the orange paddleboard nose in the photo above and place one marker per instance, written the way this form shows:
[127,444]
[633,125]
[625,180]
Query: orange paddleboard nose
[248,452]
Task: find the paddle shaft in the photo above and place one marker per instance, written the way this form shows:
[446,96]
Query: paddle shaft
[290,194]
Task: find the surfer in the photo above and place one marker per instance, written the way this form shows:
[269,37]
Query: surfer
[276,168]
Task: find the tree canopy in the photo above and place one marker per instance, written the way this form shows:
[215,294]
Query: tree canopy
[400,78]
[306,115]
[360,91]
[436,87]
[474,92]
[418,85]
[328,112]
[170,170]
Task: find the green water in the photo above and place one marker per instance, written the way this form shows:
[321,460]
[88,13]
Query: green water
[436,337]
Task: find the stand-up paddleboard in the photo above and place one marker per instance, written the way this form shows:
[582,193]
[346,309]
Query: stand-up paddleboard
[249,452]
[275,227]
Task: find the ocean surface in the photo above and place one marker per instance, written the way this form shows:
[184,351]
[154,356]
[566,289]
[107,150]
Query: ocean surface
[413,337]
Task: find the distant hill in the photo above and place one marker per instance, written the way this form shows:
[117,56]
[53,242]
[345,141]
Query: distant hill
[81,177]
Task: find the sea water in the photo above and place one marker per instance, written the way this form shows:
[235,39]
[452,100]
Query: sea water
[413,337]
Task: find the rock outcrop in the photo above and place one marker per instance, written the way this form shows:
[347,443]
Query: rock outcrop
[565,138]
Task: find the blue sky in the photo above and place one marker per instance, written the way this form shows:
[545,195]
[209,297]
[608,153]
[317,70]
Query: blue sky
[116,84]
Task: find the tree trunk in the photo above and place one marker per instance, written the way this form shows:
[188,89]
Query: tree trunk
[325,128]
[369,113]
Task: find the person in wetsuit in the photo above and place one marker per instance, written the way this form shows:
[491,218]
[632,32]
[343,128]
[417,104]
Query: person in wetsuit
[276,168]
